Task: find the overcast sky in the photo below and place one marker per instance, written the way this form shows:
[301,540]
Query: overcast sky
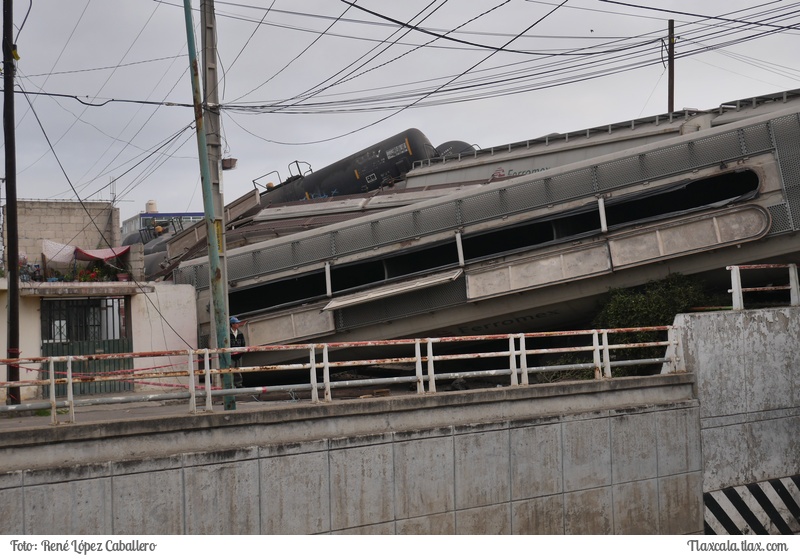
[314,81]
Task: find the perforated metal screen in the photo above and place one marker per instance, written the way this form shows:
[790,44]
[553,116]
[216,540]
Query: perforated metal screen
[781,134]
[786,136]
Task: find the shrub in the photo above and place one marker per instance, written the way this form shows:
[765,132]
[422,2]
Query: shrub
[653,304]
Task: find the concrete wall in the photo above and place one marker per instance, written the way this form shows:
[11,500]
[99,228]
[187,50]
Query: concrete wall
[65,222]
[619,456]
[30,338]
[748,382]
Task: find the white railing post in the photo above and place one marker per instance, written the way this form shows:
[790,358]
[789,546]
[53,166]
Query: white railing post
[794,287]
[606,356]
[207,376]
[192,391]
[523,358]
[596,355]
[512,360]
[53,409]
[70,393]
[326,373]
[431,374]
[418,367]
[673,336]
[312,368]
[736,288]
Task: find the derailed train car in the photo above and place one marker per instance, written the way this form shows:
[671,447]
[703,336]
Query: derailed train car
[381,164]
[531,252]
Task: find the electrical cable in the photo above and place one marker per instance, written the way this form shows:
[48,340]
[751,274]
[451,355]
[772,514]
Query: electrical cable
[297,57]
[92,220]
[593,63]
[780,27]
[384,46]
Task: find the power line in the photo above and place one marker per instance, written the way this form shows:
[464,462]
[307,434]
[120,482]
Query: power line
[100,68]
[464,42]
[385,45]
[562,68]
[717,18]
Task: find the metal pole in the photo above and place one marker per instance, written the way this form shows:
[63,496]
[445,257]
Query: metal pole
[9,71]
[671,65]
[215,233]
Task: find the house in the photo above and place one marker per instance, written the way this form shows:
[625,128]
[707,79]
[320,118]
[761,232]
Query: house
[59,241]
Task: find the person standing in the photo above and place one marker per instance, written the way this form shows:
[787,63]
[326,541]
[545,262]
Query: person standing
[237,340]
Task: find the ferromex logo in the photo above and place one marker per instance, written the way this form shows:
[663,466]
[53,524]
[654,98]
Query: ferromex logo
[500,173]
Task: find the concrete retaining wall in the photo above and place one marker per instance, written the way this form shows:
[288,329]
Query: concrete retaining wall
[610,457]
[748,382]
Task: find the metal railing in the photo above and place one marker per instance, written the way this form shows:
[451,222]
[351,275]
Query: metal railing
[432,360]
[737,290]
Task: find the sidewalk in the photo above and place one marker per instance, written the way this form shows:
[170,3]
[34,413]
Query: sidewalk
[34,419]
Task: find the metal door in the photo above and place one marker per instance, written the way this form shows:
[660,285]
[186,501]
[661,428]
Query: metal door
[87,326]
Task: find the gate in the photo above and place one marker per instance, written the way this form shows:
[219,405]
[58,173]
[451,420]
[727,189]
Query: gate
[87,326]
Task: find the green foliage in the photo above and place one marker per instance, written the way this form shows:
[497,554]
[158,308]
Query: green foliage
[654,304]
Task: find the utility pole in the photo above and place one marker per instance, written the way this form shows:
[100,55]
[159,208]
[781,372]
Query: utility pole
[214,232]
[9,71]
[671,66]
[208,26]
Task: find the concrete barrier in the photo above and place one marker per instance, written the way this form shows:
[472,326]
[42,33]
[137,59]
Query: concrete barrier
[618,456]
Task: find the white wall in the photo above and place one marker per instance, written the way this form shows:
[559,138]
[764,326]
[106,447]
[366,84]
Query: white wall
[164,320]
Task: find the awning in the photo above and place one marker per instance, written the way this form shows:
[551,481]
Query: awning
[64,254]
[100,253]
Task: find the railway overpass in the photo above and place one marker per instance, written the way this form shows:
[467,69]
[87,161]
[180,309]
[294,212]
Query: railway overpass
[466,249]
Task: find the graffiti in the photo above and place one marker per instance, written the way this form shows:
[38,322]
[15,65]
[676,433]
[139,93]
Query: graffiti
[319,195]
